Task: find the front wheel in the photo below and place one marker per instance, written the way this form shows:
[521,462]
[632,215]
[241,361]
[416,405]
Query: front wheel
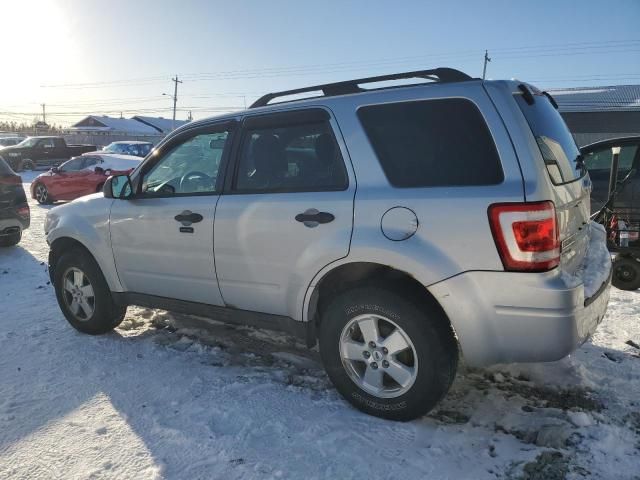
[388,356]
[83,294]
[42,194]
[626,273]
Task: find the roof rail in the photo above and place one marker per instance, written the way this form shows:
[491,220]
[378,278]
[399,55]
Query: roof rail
[441,75]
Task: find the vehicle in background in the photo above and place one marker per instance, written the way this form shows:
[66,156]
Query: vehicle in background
[597,159]
[136,148]
[80,176]
[42,152]
[394,226]
[10,141]
[14,210]
[620,212]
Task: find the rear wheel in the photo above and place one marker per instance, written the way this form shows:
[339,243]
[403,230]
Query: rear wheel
[388,356]
[11,239]
[83,294]
[626,273]
[42,194]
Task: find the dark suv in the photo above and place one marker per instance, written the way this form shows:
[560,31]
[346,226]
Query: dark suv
[14,210]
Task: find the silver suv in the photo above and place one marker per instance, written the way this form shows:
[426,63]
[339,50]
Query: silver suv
[398,226]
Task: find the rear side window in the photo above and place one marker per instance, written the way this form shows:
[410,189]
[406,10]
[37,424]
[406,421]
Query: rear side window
[599,161]
[432,143]
[557,146]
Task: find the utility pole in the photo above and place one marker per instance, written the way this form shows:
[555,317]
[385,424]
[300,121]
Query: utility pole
[175,99]
[486,60]
[44,116]
[190,117]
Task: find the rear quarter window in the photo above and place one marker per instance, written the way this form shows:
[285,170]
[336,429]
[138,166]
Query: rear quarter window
[432,143]
[557,146]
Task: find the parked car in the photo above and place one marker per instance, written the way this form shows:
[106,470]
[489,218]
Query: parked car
[9,141]
[39,152]
[136,148]
[80,176]
[14,210]
[395,226]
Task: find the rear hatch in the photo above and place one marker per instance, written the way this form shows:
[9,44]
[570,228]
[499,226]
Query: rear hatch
[571,187]
[11,191]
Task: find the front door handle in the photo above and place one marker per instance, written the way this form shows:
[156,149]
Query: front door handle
[312,218]
[187,217]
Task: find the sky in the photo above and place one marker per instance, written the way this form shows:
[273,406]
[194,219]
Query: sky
[114,57]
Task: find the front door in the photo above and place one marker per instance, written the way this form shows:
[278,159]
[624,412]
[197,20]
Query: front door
[162,238]
[287,212]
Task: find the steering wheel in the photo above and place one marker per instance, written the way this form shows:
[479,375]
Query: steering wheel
[202,178]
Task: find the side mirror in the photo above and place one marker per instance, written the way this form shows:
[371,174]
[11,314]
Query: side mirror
[118,186]
[98,170]
[55,169]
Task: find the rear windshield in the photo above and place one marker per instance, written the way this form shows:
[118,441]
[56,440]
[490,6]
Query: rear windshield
[557,146]
[432,143]
[4,168]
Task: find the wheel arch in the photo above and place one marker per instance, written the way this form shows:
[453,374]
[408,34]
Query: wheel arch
[354,274]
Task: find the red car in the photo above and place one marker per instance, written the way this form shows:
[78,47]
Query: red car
[80,176]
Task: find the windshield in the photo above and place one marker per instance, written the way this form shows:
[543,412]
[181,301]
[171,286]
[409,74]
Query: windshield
[137,149]
[557,146]
[29,142]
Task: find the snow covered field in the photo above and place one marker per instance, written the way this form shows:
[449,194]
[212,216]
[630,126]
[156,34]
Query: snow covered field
[169,396]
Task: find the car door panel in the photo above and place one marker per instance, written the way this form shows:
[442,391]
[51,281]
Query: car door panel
[155,252]
[265,256]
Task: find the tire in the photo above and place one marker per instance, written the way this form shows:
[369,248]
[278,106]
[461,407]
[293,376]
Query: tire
[626,273]
[97,316]
[424,328]
[27,165]
[10,240]
[42,194]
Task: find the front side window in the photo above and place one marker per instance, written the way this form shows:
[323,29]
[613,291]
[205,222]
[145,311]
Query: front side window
[598,162]
[290,158]
[72,165]
[189,168]
[432,143]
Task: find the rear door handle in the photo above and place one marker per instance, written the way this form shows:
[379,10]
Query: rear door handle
[187,217]
[312,218]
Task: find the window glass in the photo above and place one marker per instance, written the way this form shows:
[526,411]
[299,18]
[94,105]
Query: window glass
[599,161]
[5,169]
[191,167]
[432,143]
[557,146]
[303,157]
[90,161]
[72,165]
[46,143]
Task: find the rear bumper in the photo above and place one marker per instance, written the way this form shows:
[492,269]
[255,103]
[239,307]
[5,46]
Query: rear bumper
[10,220]
[504,317]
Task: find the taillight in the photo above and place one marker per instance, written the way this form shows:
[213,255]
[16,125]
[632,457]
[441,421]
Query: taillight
[23,211]
[10,180]
[526,235]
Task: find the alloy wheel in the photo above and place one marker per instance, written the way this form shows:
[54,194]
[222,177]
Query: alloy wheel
[378,356]
[78,294]
[41,193]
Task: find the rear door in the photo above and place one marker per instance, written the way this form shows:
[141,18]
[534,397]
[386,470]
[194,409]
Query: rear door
[286,213]
[571,186]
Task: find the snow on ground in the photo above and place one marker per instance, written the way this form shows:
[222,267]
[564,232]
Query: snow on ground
[171,396]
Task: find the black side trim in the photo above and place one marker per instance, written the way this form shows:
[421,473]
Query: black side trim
[594,297]
[285,119]
[221,314]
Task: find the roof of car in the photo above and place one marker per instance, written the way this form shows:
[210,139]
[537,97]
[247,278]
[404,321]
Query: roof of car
[132,142]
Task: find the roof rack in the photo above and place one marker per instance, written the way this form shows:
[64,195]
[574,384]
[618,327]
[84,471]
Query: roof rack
[440,75]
